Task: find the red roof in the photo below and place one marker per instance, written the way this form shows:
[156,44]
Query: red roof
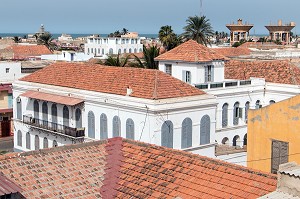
[233,52]
[280,71]
[145,83]
[120,168]
[26,51]
[191,51]
[7,186]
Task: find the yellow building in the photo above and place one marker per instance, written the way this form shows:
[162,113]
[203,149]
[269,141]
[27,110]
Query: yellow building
[6,111]
[274,135]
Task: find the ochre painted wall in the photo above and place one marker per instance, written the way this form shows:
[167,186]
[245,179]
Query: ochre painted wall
[279,121]
[3,100]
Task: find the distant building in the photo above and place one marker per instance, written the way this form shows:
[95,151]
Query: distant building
[239,31]
[68,56]
[99,46]
[281,32]
[24,52]
[273,135]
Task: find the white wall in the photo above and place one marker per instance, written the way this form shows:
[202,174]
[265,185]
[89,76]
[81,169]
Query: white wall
[14,71]
[66,56]
[235,158]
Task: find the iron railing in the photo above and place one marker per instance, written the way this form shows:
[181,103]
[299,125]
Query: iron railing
[54,127]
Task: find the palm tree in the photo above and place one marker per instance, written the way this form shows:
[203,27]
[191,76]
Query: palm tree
[198,29]
[116,61]
[168,38]
[149,54]
[124,31]
[46,39]
[17,39]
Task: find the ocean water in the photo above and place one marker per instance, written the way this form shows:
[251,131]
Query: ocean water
[55,36]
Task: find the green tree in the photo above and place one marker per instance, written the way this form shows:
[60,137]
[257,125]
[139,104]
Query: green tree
[116,61]
[199,29]
[47,40]
[124,31]
[148,57]
[168,38]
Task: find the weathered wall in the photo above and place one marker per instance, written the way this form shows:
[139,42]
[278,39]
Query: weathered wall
[280,121]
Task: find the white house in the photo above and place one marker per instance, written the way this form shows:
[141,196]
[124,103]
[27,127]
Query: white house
[68,56]
[68,103]
[100,46]
[237,85]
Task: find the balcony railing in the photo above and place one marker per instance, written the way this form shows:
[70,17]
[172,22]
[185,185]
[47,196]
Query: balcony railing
[223,84]
[54,127]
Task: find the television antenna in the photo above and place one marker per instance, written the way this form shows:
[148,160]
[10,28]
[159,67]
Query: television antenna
[200,7]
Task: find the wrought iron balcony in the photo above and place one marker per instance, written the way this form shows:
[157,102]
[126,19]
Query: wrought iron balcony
[54,127]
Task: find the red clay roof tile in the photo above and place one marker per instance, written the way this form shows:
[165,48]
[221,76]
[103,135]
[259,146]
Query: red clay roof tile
[145,83]
[25,51]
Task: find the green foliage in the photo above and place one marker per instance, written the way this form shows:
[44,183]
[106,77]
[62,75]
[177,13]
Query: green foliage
[199,29]
[168,38]
[149,54]
[278,42]
[17,39]
[116,61]
[118,33]
[47,40]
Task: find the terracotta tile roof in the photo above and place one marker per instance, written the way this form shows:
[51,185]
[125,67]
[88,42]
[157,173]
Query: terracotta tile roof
[25,51]
[191,51]
[233,52]
[120,168]
[280,71]
[145,83]
[7,186]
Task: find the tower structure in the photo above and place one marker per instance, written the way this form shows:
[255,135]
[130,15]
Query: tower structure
[281,33]
[239,31]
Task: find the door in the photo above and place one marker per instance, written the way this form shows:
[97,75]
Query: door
[5,127]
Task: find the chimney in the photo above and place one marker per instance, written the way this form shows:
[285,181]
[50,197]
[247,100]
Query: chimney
[129,91]
[279,22]
[240,22]
[289,179]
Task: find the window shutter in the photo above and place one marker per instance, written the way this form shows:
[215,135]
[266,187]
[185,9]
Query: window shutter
[225,115]
[247,105]
[279,154]
[205,73]
[103,127]
[190,77]
[212,73]
[27,140]
[66,116]
[36,142]
[91,124]
[116,126]
[240,113]
[78,118]
[205,130]
[186,133]
[45,143]
[19,138]
[167,134]
[130,129]
[36,109]
[19,108]
[54,116]
[184,76]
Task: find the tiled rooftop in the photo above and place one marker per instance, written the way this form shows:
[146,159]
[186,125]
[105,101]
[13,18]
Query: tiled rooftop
[280,71]
[120,168]
[191,51]
[145,83]
[25,51]
[233,52]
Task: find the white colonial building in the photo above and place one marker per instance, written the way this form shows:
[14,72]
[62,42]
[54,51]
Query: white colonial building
[68,103]
[68,56]
[99,46]
[237,85]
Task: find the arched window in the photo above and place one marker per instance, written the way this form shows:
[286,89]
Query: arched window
[135,50]
[54,116]
[129,129]
[19,108]
[205,130]
[19,138]
[167,134]
[125,51]
[129,50]
[272,102]
[78,118]
[236,140]
[103,127]
[245,140]
[186,133]
[36,109]
[247,106]
[66,116]
[225,115]
[45,143]
[91,124]
[257,104]
[54,144]
[140,50]
[236,113]
[119,51]
[116,126]
[111,51]
[27,140]
[45,113]
[103,51]
[225,141]
[36,142]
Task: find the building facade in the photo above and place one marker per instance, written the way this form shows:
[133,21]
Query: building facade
[70,103]
[100,46]
[239,31]
[280,32]
[273,134]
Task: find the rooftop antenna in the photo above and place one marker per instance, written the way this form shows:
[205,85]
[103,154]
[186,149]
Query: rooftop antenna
[200,8]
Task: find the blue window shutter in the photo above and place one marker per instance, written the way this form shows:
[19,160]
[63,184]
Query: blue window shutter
[66,116]
[91,124]
[205,73]
[27,140]
[186,133]
[205,130]
[167,134]
[130,129]
[225,115]
[36,142]
[78,118]
[212,73]
[19,138]
[103,127]
[116,126]
[54,116]
[36,109]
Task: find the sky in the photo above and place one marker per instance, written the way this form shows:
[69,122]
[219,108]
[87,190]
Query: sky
[143,16]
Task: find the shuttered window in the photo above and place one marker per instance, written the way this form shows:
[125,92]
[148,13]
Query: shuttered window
[205,130]
[54,116]
[103,127]
[36,109]
[36,142]
[236,113]
[247,106]
[91,124]
[45,113]
[167,134]
[19,108]
[257,104]
[130,129]
[27,140]
[209,73]
[186,133]
[280,151]
[186,76]
[45,143]
[66,116]
[78,118]
[54,144]
[116,126]
[225,115]
[19,138]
